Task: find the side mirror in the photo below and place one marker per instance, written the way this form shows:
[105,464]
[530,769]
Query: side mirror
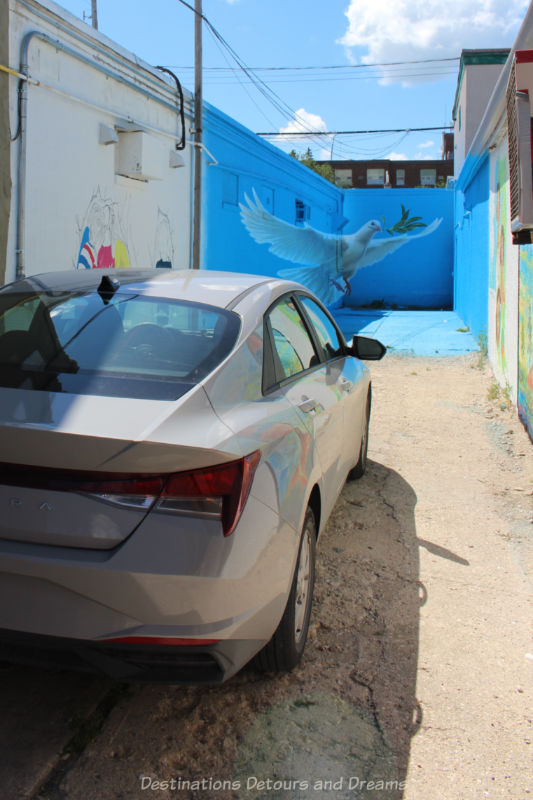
[367,349]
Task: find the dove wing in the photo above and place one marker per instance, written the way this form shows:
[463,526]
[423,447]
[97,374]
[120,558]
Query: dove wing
[301,245]
[317,279]
[379,248]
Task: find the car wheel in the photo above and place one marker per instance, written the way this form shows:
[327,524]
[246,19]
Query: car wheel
[360,468]
[284,650]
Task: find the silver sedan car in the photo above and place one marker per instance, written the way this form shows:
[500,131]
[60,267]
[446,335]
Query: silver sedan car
[171,446]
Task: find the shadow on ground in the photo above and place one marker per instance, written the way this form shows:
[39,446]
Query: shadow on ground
[347,731]
[40,712]
[339,726]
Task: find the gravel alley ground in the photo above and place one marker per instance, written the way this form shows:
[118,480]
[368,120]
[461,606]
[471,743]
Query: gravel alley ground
[416,681]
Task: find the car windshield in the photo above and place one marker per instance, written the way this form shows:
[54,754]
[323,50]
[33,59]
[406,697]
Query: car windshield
[124,344]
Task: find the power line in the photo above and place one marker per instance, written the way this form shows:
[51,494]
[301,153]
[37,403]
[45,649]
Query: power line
[262,87]
[225,78]
[354,133]
[283,108]
[335,66]
[241,82]
[259,84]
[225,75]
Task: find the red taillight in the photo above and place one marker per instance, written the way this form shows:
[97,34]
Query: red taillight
[63,480]
[223,490]
[220,491]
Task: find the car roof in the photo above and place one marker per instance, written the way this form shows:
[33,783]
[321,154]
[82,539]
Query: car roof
[211,287]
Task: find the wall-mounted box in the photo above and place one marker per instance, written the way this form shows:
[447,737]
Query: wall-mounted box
[141,156]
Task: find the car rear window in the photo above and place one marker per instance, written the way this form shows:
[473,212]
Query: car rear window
[126,345]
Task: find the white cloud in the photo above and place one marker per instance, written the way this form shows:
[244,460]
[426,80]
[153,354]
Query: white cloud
[397,157]
[425,157]
[427,144]
[396,30]
[306,121]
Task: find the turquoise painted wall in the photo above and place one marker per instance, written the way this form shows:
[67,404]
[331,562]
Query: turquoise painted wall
[472,251]
[246,164]
[420,272]
[300,226]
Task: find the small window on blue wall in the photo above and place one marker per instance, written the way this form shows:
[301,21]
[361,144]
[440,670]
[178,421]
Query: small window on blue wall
[303,212]
[230,189]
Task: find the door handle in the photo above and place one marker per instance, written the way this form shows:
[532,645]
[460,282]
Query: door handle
[307,405]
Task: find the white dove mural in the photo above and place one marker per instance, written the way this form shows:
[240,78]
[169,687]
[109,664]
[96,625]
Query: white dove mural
[330,260]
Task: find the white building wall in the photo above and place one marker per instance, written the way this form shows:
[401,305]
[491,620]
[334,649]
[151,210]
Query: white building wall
[503,272]
[477,84]
[76,208]
[480,82]
[459,130]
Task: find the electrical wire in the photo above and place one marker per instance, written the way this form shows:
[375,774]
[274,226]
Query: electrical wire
[263,88]
[340,72]
[306,133]
[336,66]
[355,133]
[181,106]
[274,99]
[242,84]
[405,76]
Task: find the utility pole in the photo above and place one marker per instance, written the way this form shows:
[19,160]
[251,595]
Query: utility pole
[94,14]
[197,195]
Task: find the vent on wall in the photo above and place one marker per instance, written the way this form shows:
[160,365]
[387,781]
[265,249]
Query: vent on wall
[519,97]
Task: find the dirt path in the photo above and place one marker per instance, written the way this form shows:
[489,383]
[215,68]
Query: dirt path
[415,680]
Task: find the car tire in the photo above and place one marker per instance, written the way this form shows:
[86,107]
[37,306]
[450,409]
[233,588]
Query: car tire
[360,468]
[284,651]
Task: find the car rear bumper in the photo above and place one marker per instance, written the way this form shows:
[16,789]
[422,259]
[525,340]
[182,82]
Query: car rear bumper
[70,607]
[143,663]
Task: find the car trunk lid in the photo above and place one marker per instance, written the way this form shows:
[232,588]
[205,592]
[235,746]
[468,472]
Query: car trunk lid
[71,467]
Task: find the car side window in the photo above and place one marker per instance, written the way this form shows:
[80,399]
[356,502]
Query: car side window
[325,330]
[20,316]
[293,348]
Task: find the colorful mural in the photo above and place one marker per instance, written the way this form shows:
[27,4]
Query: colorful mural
[102,239]
[525,339]
[497,275]
[329,261]
[163,255]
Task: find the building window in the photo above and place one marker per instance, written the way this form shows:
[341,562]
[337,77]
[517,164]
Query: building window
[375,177]
[303,212]
[428,177]
[230,189]
[400,177]
[343,178]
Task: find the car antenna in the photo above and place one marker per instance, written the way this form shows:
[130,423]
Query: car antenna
[108,287]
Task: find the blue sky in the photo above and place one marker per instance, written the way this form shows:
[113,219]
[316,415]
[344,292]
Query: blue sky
[352,34]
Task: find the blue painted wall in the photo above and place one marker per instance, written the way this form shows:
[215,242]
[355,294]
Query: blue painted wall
[247,163]
[420,272]
[472,250]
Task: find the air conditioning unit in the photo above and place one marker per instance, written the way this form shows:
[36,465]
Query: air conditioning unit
[519,114]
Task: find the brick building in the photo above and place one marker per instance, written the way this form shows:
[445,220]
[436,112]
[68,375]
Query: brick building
[369,174]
